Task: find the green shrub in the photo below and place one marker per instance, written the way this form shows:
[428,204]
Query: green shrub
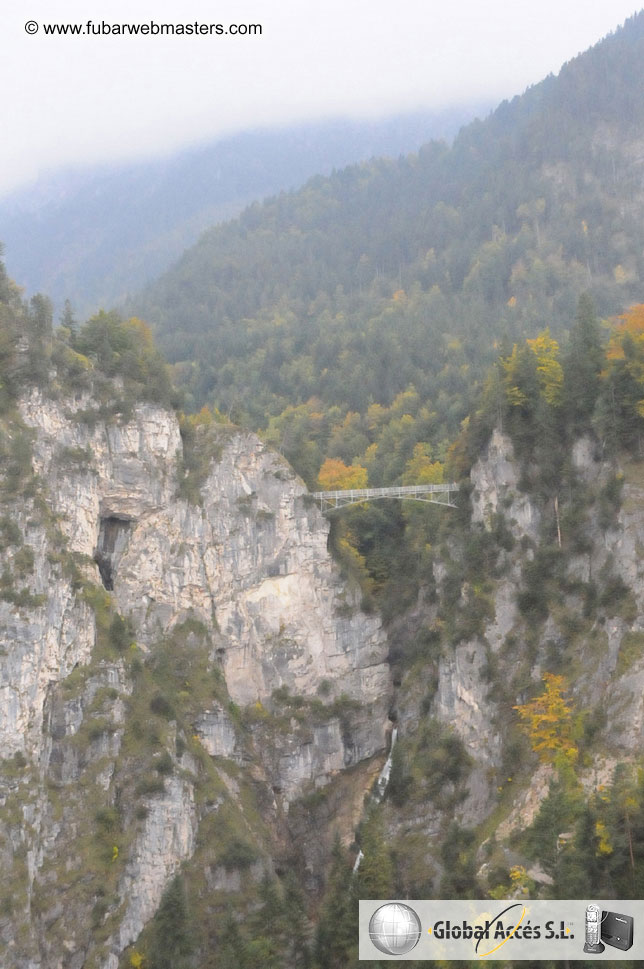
[160,705]
[238,854]
[149,786]
[164,765]
[10,533]
[121,633]
[631,650]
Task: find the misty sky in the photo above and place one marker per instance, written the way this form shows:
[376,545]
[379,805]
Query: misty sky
[101,98]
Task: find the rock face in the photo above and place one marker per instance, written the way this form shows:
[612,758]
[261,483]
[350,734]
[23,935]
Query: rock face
[591,630]
[251,561]
[495,479]
[243,579]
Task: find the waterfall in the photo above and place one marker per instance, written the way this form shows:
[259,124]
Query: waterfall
[380,787]
[383,779]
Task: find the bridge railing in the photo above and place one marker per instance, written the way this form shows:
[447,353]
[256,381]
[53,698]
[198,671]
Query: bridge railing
[439,494]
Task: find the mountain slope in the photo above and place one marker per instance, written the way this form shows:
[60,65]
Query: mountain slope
[392,274]
[94,236]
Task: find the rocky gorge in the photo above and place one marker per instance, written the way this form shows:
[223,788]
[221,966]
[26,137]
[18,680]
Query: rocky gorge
[189,683]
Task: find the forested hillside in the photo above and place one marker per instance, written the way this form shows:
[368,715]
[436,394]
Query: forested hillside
[382,293]
[93,235]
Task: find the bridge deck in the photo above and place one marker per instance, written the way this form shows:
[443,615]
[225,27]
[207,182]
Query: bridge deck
[437,494]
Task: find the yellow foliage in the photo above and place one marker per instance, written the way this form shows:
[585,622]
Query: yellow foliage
[335,475]
[376,417]
[405,403]
[604,847]
[626,349]
[204,418]
[549,369]
[548,722]
[143,331]
[136,960]
[420,469]
[78,359]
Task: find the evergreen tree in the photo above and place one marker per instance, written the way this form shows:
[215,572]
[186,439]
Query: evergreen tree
[67,318]
[375,875]
[459,877]
[39,331]
[620,409]
[624,821]
[298,951]
[583,364]
[578,870]
[337,934]
[172,933]
[230,946]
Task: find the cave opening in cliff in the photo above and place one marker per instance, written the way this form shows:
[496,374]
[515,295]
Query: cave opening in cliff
[113,533]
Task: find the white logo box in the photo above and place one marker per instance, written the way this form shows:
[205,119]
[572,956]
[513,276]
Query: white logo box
[506,929]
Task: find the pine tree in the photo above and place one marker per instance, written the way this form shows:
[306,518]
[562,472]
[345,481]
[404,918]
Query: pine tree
[375,875]
[583,364]
[337,935]
[67,318]
[230,946]
[270,929]
[172,939]
[299,956]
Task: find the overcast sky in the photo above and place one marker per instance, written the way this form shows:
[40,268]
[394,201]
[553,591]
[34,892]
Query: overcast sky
[99,98]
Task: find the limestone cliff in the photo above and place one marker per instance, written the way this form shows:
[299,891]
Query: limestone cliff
[144,637]
[561,589]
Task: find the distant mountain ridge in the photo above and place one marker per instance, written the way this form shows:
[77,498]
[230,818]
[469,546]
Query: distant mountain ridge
[393,274]
[93,235]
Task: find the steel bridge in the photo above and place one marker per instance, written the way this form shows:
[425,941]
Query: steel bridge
[435,494]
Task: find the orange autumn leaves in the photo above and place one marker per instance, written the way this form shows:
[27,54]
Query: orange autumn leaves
[628,330]
[335,475]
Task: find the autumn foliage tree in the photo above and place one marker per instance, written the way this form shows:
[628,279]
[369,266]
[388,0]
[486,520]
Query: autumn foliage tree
[549,370]
[549,723]
[420,469]
[335,475]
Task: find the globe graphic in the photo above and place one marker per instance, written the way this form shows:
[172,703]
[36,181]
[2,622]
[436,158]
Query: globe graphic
[394,929]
